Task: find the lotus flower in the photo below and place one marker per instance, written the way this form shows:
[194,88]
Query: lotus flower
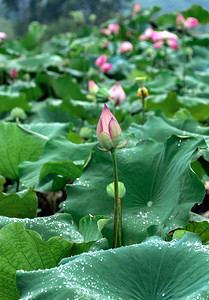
[13,74]
[101,60]
[117,94]
[114,28]
[137,7]
[109,131]
[191,22]
[93,87]
[187,23]
[3,35]
[105,31]
[106,67]
[126,47]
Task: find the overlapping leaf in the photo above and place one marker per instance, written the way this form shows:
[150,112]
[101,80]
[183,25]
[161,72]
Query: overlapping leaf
[152,270]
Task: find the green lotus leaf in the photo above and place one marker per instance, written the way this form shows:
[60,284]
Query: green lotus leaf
[152,270]
[21,205]
[160,186]
[16,145]
[60,162]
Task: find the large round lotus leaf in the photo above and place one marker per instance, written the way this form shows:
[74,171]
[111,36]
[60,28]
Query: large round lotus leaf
[160,186]
[152,270]
[160,128]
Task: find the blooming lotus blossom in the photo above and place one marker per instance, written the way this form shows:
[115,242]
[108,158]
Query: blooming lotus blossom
[126,47]
[137,7]
[114,28]
[117,94]
[13,74]
[101,60]
[93,87]
[3,35]
[106,67]
[160,37]
[109,131]
[187,23]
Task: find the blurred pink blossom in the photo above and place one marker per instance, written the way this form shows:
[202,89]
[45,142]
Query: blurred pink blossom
[3,35]
[158,44]
[173,44]
[191,22]
[137,7]
[117,94]
[105,31]
[101,60]
[126,47]
[180,19]
[13,74]
[160,37]
[114,28]
[187,23]
[106,67]
[93,87]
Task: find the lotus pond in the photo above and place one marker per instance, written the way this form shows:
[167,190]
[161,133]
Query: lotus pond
[104,160]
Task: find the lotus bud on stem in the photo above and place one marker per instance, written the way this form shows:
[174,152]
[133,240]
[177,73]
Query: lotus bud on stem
[142,93]
[109,136]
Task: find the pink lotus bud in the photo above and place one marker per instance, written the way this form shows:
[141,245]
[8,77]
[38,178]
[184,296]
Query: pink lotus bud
[191,22]
[126,47]
[158,45]
[114,28]
[101,60]
[180,19]
[13,74]
[93,87]
[117,94]
[109,131]
[105,31]
[3,35]
[173,44]
[137,7]
[106,67]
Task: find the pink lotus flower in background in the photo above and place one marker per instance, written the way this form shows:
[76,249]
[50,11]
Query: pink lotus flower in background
[105,31]
[106,67]
[13,74]
[3,35]
[180,19]
[117,94]
[148,34]
[187,23]
[93,87]
[173,44]
[191,22]
[126,47]
[158,44]
[160,37]
[109,131]
[114,28]
[101,60]
[137,7]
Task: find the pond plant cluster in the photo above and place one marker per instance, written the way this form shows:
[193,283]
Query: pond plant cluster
[104,165]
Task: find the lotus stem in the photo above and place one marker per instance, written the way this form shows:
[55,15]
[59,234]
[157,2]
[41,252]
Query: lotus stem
[116,205]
